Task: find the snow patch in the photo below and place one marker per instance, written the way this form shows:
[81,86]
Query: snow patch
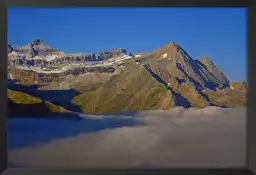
[107,63]
[46,58]
[164,55]
[13,53]
[10,76]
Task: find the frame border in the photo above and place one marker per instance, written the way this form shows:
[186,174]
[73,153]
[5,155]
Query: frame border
[251,120]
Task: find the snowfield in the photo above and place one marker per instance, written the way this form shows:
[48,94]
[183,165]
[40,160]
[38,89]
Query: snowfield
[110,62]
[46,58]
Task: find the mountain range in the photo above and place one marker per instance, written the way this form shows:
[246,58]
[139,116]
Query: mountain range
[115,81]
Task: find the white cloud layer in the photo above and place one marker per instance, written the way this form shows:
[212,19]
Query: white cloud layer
[177,138]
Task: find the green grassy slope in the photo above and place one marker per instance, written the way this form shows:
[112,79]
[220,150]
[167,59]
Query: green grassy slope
[133,89]
[22,104]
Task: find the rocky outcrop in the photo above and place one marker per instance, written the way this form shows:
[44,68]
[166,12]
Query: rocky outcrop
[119,52]
[9,49]
[114,53]
[105,55]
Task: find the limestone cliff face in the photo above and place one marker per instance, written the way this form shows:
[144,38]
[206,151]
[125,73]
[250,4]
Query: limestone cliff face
[37,53]
[32,77]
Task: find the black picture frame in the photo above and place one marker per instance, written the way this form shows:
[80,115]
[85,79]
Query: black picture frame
[251,104]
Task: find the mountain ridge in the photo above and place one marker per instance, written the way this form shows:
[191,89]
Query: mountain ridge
[161,79]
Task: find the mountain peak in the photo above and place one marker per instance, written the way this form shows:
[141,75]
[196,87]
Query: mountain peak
[240,85]
[174,43]
[37,42]
[170,45]
[206,59]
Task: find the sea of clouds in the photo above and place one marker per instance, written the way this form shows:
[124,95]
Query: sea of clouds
[178,138]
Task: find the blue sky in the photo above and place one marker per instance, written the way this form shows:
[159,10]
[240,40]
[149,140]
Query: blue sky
[220,33]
